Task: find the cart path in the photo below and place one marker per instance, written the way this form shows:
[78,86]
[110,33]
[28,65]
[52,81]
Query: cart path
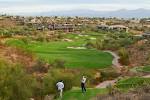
[116,65]
[106,83]
[115,61]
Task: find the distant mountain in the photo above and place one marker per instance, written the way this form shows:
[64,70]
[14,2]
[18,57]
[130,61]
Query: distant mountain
[123,13]
[138,13]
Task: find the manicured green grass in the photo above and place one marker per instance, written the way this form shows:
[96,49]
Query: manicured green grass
[74,58]
[133,82]
[142,69]
[146,68]
[78,95]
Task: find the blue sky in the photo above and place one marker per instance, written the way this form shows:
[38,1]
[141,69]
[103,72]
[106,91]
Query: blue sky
[29,6]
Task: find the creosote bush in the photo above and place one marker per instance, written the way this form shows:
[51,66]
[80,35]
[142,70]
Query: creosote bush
[124,56]
[15,84]
[40,67]
[109,75]
[59,63]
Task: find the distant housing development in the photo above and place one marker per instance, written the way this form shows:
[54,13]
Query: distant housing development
[64,27]
[146,35]
[79,24]
[113,28]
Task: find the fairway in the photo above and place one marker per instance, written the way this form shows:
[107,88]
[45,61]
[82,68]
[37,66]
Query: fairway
[78,95]
[74,58]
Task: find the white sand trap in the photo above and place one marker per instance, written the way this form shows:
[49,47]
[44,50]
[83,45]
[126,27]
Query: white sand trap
[93,38]
[76,47]
[83,35]
[67,40]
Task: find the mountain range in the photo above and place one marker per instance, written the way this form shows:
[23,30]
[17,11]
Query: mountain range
[123,13]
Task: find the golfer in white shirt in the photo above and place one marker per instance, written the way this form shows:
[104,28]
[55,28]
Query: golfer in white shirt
[83,81]
[60,87]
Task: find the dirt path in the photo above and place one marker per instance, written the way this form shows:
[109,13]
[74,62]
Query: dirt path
[113,82]
[146,76]
[115,61]
[106,83]
[116,65]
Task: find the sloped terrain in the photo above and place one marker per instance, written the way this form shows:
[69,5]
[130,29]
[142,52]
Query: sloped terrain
[16,55]
[140,51]
[138,94]
[6,22]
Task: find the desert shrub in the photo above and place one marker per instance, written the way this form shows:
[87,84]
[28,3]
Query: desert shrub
[25,40]
[40,37]
[133,82]
[99,44]
[5,33]
[142,92]
[60,35]
[59,63]
[15,84]
[124,56]
[108,75]
[141,47]
[89,45]
[55,75]
[145,88]
[125,41]
[40,67]
[114,40]
[1,43]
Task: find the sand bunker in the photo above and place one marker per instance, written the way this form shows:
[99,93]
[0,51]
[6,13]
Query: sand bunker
[76,47]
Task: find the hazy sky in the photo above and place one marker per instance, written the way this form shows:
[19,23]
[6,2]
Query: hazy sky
[29,6]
